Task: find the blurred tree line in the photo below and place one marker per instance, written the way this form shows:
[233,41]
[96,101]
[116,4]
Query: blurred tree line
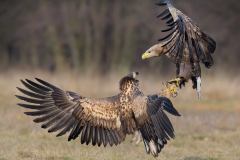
[105,34]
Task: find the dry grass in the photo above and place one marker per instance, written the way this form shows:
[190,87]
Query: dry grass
[207,129]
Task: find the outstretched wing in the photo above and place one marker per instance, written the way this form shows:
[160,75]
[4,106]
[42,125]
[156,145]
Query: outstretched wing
[97,120]
[186,33]
[154,125]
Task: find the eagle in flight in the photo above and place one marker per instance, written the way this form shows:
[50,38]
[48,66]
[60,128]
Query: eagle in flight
[103,121]
[187,47]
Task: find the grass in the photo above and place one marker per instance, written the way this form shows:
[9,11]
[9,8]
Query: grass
[207,130]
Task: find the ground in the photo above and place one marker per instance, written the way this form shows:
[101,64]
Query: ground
[207,129]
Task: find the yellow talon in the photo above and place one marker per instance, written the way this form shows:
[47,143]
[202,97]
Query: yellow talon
[167,91]
[167,88]
[176,81]
[170,92]
[173,88]
[173,91]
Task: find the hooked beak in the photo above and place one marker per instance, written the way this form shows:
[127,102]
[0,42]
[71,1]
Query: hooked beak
[145,55]
[135,73]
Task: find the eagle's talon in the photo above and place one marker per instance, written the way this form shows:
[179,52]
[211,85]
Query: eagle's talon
[167,87]
[173,89]
[176,81]
[176,94]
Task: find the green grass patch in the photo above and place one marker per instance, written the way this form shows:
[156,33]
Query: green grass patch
[200,137]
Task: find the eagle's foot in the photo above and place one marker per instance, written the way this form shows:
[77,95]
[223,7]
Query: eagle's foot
[173,90]
[176,81]
[170,91]
[167,88]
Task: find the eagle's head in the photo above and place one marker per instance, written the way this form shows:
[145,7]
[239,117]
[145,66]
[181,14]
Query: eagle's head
[155,51]
[129,81]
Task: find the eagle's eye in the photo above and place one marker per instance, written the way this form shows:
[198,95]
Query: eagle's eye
[149,51]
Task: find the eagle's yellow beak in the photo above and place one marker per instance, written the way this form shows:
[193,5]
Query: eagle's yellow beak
[145,55]
[134,74]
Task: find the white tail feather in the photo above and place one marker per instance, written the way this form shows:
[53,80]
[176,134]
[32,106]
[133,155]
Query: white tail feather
[153,148]
[199,87]
[146,146]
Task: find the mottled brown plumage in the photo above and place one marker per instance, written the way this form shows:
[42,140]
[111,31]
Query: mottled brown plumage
[187,47]
[103,120]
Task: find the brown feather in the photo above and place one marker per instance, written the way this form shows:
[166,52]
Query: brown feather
[102,120]
[99,136]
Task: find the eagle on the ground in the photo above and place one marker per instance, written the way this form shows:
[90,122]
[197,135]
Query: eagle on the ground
[187,46]
[103,121]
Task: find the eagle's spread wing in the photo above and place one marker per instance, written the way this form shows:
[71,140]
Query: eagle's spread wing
[154,125]
[103,120]
[186,33]
[96,119]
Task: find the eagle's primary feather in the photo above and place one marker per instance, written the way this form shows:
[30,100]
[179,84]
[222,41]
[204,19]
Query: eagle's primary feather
[102,121]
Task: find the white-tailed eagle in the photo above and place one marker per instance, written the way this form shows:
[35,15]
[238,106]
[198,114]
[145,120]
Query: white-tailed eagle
[103,121]
[187,47]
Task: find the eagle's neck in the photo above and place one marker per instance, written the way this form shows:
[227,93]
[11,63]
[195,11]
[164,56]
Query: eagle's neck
[129,87]
[130,90]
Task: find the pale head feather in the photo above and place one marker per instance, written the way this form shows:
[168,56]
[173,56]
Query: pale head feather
[155,51]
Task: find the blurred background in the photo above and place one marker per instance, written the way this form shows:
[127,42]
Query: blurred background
[87,46]
[108,35]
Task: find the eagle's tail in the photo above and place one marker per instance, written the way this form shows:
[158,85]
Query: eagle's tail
[199,87]
[154,146]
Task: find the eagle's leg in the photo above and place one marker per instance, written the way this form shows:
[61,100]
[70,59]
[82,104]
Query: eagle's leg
[176,81]
[137,135]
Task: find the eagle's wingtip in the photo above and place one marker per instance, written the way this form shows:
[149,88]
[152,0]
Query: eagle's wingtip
[162,3]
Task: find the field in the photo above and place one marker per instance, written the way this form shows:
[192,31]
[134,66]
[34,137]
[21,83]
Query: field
[207,129]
